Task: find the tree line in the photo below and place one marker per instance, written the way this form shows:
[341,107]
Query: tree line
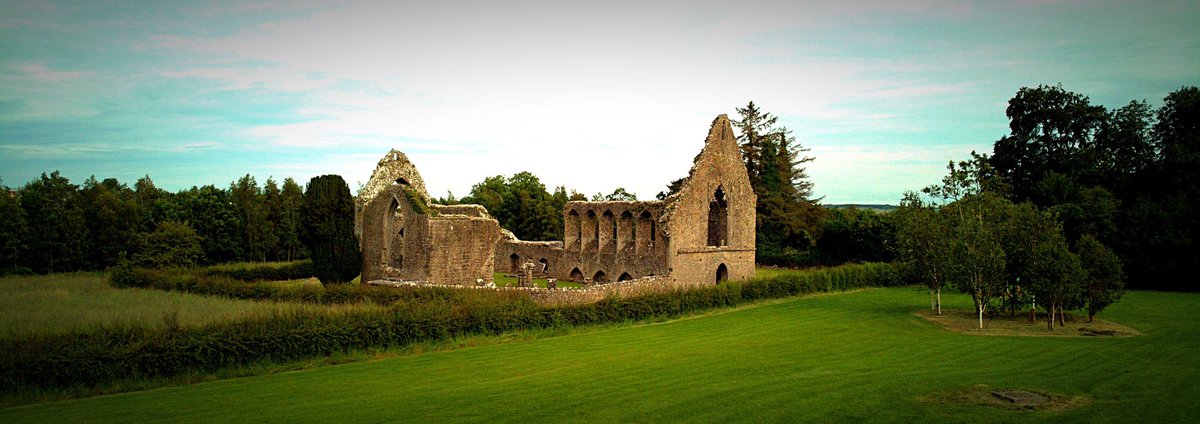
[1127,177]
[52,225]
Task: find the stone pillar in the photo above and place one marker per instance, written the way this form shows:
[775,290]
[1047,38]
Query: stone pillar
[525,278]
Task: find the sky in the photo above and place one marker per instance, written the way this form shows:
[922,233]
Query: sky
[588,95]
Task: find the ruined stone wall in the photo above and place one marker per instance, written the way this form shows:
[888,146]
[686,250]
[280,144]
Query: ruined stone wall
[711,220]
[572,296]
[404,237]
[461,249]
[510,254]
[396,244]
[477,211]
[611,240]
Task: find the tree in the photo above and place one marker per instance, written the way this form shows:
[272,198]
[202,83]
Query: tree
[754,127]
[620,194]
[1104,281]
[786,216]
[1051,130]
[57,231]
[112,217]
[250,206]
[208,210]
[1055,275]
[172,244]
[979,266]
[673,187]
[327,229]
[146,195]
[13,231]
[288,227]
[522,205]
[923,239]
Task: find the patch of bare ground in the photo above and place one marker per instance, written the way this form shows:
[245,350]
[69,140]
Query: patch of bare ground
[983,395]
[966,322]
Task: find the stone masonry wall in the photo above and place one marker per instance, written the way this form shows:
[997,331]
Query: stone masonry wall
[461,249]
[717,186]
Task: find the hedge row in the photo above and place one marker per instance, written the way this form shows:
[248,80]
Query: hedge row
[263,272]
[222,284]
[109,355]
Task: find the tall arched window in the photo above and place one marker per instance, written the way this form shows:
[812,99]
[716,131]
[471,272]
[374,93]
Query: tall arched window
[718,219]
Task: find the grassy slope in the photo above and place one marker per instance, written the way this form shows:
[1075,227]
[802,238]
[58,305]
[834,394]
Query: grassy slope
[860,356]
[59,303]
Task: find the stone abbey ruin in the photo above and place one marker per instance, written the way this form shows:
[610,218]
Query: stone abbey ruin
[704,234]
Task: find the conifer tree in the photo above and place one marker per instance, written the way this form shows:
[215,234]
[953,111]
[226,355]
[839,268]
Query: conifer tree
[327,218]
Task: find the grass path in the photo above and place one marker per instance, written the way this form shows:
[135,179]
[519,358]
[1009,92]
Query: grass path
[860,356]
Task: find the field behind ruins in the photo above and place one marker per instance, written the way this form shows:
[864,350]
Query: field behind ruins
[855,356]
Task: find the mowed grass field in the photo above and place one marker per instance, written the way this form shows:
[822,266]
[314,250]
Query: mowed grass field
[851,357]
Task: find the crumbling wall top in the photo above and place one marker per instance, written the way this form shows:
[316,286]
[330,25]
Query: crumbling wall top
[394,168]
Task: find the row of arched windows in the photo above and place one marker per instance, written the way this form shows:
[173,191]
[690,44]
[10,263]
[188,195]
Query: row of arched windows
[592,232]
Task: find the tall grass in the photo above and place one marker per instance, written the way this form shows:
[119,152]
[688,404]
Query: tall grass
[84,303]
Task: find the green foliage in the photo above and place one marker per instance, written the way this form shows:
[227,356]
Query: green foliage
[924,241]
[210,212]
[270,271]
[173,244]
[111,215]
[522,205]
[1126,177]
[327,229]
[1103,280]
[787,218]
[13,229]
[57,232]
[987,246]
[287,226]
[851,234]
[1055,276]
[103,356]
[251,208]
[617,195]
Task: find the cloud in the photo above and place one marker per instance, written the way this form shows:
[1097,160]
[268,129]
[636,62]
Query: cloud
[43,74]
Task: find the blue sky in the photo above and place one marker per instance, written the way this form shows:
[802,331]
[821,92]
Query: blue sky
[590,95]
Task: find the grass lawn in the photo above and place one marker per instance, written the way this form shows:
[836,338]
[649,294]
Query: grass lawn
[851,357]
[59,303]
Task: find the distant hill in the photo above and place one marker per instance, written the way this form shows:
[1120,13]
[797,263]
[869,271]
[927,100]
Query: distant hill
[875,208]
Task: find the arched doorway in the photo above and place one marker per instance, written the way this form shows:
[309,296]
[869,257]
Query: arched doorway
[515,263]
[545,265]
[625,277]
[600,277]
[722,273]
[575,276]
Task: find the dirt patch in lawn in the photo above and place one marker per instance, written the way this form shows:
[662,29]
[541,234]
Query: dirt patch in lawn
[984,395]
[967,322]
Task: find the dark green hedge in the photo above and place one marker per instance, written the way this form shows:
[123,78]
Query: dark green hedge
[221,284]
[263,272]
[105,356]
